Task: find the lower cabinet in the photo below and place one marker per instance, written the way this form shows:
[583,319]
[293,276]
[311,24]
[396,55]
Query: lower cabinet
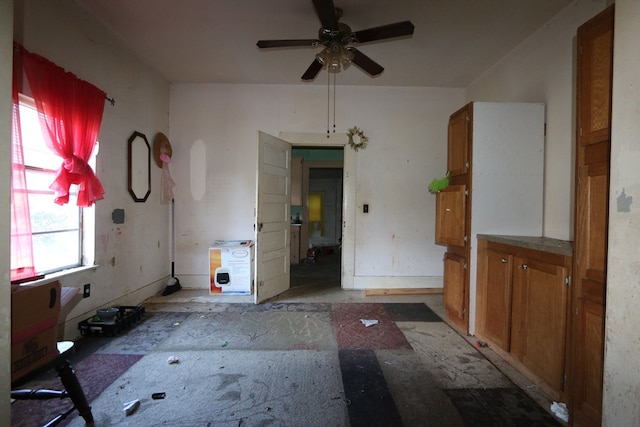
[523,304]
[295,244]
[455,300]
[494,267]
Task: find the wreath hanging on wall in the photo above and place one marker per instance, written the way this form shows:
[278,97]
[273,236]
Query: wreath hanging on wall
[357,138]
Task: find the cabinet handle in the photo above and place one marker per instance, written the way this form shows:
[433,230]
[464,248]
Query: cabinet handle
[524,266]
[504,261]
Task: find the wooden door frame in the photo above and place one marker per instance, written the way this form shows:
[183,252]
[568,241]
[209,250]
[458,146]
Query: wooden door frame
[349,207]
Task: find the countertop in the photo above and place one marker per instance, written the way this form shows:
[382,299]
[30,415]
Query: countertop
[544,244]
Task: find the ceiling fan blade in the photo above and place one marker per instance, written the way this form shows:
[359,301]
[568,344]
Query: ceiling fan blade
[398,29]
[365,63]
[312,71]
[327,14]
[287,43]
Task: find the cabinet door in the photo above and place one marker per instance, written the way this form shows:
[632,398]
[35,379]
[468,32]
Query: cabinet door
[595,67]
[494,297]
[450,216]
[295,244]
[540,319]
[595,71]
[459,142]
[454,288]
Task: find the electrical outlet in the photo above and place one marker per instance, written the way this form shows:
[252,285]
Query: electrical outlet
[86,291]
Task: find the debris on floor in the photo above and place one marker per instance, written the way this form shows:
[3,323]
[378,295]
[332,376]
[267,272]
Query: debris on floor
[560,411]
[173,359]
[369,322]
[130,407]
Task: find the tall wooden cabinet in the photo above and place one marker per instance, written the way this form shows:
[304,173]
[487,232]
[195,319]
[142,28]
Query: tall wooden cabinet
[495,160]
[595,70]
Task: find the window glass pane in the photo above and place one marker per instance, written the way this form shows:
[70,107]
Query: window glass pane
[36,152]
[48,216]
[40,181]
[56,250]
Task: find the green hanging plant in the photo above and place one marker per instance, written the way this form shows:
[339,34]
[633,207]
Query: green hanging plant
[439,184]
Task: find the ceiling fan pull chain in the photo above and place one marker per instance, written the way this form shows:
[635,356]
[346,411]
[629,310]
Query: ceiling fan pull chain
[328,100]
[334,102]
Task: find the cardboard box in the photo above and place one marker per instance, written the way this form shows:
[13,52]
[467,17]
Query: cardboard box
[34,324]
[231,267]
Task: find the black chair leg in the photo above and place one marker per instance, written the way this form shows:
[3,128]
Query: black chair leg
[73,387]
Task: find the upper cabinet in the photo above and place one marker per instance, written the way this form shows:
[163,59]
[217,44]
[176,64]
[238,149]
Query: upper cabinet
[595,71]
[451,215]
[458,145]
[495,160]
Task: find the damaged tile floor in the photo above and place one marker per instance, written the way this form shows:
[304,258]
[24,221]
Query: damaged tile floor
[305,359]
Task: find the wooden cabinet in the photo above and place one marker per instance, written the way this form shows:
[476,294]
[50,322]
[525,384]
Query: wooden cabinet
[495,160]
[451,216]
[295,244]
[539,317]
[523,304]
[458,141]
[493,296]
[455,291]
[595,70]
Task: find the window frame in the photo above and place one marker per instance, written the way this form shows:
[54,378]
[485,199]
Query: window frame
[85,216]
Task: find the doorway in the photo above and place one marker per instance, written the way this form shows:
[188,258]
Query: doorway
[317,219]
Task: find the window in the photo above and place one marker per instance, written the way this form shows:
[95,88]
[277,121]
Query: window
[57,231]
[316,199]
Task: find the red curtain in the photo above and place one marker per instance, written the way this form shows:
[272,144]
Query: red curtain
[71,112]
[21,242]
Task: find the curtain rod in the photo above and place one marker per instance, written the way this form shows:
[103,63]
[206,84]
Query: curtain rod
[18,48]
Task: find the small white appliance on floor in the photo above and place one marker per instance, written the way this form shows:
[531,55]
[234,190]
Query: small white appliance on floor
[231,267]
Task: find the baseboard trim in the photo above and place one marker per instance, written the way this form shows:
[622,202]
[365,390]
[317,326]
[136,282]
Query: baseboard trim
[402,291]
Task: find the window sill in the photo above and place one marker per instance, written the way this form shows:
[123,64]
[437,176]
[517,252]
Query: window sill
[58,275]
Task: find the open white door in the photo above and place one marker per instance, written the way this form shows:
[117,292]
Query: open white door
[272,217]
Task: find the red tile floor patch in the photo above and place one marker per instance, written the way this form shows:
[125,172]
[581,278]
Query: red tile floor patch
[352,334]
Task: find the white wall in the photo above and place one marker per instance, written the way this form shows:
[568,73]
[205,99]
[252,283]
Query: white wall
[407,130]
[621,405]
[132,258]
[6,52]
[541,69]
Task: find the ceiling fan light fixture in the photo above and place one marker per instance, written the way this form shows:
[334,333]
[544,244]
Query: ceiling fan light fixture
[346,58]
[335,57]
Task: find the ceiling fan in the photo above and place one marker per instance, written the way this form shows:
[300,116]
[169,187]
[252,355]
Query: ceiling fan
[338,40]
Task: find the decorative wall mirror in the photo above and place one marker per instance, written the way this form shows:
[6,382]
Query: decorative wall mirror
[139,176]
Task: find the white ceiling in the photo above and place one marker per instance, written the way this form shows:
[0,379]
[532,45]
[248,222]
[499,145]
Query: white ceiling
[214,41]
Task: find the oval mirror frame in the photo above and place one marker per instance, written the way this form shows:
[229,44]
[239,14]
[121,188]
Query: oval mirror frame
[139,173]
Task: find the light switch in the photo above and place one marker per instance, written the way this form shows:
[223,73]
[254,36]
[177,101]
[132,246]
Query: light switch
[365,208]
